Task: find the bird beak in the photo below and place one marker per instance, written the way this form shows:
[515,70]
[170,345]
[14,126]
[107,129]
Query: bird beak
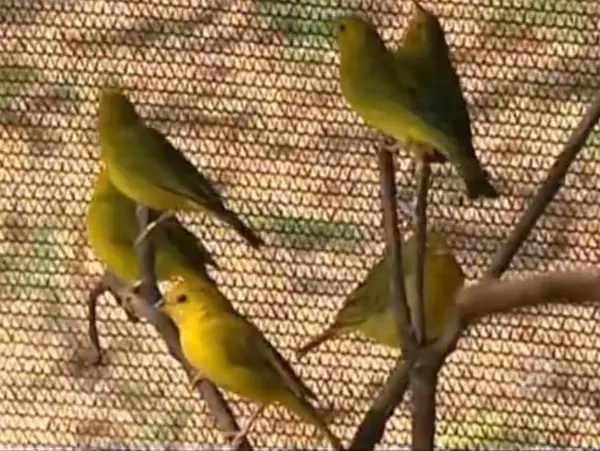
[160,303]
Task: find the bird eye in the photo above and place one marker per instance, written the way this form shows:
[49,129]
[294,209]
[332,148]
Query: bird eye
[342,28]
[181,298]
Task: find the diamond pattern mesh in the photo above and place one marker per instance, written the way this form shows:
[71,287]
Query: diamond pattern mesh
[249,89]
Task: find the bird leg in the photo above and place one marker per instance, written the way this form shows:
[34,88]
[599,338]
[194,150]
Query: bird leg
[237,437]
[197,378]
[150,227]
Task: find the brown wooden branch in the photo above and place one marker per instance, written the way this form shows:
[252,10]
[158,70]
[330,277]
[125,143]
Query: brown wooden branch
[546,192]
[394,250]
[144,306]
[424,172]
[423,378]
[490,297]
[372,427]
[95,356]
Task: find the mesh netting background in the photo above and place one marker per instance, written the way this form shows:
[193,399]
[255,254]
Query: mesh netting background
[249,89]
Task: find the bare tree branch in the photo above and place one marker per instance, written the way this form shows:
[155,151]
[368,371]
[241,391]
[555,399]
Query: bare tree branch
[423,384]
[394,249]
[145,308]
[474,303]
[423,378]
[490,297]
[372,426]
[546,192]
[424,172]
[95,356]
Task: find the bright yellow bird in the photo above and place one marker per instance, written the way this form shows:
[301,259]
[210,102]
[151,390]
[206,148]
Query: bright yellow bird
[112,229]
[231,352]
[368,309]
[147,168]
[390,95]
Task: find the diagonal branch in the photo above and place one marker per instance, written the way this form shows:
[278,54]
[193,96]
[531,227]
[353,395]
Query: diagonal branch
[546,192]
[423,378]
[372,427]
[145,308]
[423,172]
[394,250]
[373,424]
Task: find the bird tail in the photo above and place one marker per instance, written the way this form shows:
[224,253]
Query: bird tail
[316,341]
[477,181]
[319,417]
[244,230]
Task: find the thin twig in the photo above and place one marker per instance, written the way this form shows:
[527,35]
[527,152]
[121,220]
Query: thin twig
[394,250]
[546,192]
[423,384]
[489,297]
[92,302]
[424,171]
[372,426]
[147,258]
[423,378]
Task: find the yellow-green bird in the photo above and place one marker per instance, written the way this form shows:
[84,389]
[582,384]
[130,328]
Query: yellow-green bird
[386,90]
[112,229]
[147,168]
[232,353]
[368,309]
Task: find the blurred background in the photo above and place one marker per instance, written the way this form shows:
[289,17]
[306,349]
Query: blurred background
[249,90]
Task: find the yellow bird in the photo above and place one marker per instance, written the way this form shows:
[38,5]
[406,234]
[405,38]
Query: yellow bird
[232,353]
[112,229]
[368,309]
[144,165]
[391,97]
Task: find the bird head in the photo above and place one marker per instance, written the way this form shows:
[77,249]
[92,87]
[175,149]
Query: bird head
[353,32]
[424,29]
[115,107]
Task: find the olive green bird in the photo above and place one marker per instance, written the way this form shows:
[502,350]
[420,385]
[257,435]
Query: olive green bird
[112,229]
[147,168]
[368,309]
[233,353]
[399,93]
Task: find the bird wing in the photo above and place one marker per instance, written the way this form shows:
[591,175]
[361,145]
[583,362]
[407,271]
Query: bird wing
[165,165]
[370,297]
[174,233]
[257,351]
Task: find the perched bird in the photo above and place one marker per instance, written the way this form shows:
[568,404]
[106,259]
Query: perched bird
[368,309]
[384,88]
[232,353]
[147,168]
[112,228]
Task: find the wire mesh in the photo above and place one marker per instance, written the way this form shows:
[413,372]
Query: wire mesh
[249,89]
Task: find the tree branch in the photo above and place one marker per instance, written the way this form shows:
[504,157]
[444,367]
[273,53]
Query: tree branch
[546,192]
[423,377]
[145,308]
[394,250]
[372,426]
[474,304]
[490,297]
[424,172]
